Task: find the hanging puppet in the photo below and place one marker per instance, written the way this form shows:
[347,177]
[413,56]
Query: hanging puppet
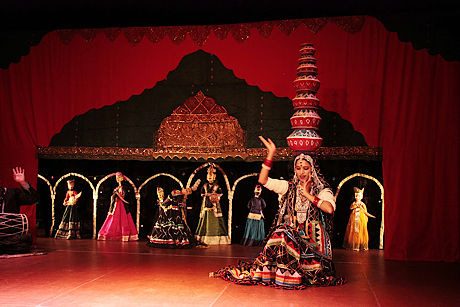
[69,228]
[170,230]
[211,225]
[254,233]
[119,224]
[356,235]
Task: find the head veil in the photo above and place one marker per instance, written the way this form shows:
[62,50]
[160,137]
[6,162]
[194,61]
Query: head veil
[286,205]
[318,180]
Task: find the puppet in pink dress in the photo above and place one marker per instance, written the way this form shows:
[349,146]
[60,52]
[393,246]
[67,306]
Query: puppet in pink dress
[119,224]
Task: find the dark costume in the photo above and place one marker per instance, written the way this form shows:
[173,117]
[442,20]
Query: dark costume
[12,242]
[69,228]
[254,233]
[170,229]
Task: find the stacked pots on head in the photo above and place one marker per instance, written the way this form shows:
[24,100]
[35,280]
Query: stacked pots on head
[305,121]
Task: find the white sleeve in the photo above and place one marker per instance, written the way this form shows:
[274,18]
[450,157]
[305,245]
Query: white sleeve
[327,195]
[276,185]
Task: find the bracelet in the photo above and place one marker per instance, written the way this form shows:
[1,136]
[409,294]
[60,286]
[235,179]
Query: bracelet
[320,203]
[316,201]
[266,166]
[268,162]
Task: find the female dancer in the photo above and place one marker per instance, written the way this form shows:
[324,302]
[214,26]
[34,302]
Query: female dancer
[298,250]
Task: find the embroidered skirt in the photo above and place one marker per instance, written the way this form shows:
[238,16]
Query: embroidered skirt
[288,261]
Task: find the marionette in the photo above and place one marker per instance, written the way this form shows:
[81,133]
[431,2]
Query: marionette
[356,235]
[211,228]
[254,233]
[69,228]
[119,224]
[170,230]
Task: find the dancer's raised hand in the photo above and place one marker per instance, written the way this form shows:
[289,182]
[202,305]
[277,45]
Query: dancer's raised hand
[271,147]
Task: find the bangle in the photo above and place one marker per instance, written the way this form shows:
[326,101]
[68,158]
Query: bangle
[266,166]
[316,201]
[268,162]
[320,203]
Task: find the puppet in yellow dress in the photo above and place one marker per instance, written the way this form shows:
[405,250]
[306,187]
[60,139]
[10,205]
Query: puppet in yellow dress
[356,235]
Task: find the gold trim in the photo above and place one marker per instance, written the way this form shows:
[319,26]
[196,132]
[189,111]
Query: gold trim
[248,154]
[200,125]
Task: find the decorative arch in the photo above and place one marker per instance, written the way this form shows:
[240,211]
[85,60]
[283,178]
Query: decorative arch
[230,200]
[382,228]
[53,193]
[52,197]
[48,183]
[158,175]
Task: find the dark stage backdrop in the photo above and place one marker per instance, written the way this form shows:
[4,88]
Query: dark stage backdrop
[403,100]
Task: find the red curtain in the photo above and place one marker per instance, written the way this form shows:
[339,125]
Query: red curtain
[403,100]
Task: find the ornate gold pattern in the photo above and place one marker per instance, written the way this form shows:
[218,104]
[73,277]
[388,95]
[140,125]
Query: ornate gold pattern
[249,154]
[200,126]
[199,34]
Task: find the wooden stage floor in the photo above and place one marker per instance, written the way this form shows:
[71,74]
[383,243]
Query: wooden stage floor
[92,273]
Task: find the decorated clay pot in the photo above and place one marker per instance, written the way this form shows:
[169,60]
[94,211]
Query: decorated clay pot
[307,59]
[307,69]
[304,140]
[305,100]
[305,119]
[307,49]
[306,84]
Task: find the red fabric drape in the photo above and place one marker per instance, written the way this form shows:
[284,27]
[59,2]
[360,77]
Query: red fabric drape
[403,100]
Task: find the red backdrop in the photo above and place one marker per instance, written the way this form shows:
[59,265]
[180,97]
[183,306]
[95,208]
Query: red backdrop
[403,100]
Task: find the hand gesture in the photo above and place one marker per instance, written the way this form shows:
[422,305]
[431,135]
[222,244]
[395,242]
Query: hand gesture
[72,201]
[195,186]
[214,197]
[121,197]
[18,175]
[271,147]
[309,183]
[370,215]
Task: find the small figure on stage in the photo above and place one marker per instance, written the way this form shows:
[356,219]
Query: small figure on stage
[211,227]
[69,228]
[356,235]
[119,224]
[14,236]
[170,230]
[254,233]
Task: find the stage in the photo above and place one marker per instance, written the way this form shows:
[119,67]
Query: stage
[94,273]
